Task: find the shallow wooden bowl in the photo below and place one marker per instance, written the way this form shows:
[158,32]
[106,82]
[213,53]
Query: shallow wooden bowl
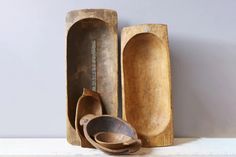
[95,124]
[114,140]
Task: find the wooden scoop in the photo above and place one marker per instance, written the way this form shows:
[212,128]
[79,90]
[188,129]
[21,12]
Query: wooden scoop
[88,103]
[114,140]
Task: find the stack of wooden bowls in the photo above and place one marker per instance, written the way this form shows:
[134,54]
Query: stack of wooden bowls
[105,132]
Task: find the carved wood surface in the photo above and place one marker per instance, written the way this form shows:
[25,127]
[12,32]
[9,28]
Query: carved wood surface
[92,58]
[146,83]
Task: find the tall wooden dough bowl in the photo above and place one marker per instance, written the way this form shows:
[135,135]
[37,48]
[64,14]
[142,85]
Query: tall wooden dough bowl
[146,83]
[92,61]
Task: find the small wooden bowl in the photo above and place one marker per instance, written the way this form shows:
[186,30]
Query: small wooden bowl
[114,140]
[93,125]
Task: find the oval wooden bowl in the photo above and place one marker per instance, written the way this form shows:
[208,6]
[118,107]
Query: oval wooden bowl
[95,124]
[114,140]
[88,103]
[92,61]
[146,83]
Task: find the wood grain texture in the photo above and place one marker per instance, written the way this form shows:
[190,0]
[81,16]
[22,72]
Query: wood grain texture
[114,140]
[91,32]
[146,83]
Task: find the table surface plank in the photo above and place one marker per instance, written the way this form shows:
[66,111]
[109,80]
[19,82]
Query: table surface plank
[60,147]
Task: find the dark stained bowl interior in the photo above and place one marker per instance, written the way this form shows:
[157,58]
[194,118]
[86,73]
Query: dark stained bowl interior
[93,125]
[110,124]
[91,40]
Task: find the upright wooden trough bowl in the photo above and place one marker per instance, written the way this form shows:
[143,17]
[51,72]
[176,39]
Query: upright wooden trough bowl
[146,83]
[92,61]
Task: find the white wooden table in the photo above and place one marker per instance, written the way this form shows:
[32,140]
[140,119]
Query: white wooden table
[59,147]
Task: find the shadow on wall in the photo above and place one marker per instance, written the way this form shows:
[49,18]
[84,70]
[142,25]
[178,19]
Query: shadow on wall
[204,87]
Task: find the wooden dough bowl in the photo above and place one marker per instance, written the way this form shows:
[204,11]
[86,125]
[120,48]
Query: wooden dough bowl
[91,46]
[93,125]
[146,83]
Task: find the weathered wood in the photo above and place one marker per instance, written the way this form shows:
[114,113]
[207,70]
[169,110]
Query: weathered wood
[106,123]
[113,140]
[146,83]
[88,103]
[91,61]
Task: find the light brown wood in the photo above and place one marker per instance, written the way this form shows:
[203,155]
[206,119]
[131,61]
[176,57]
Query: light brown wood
[146,83]
[94,124]
[114,140]
[88,103]
[91,61]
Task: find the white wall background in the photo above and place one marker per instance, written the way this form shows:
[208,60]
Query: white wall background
[202,37]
